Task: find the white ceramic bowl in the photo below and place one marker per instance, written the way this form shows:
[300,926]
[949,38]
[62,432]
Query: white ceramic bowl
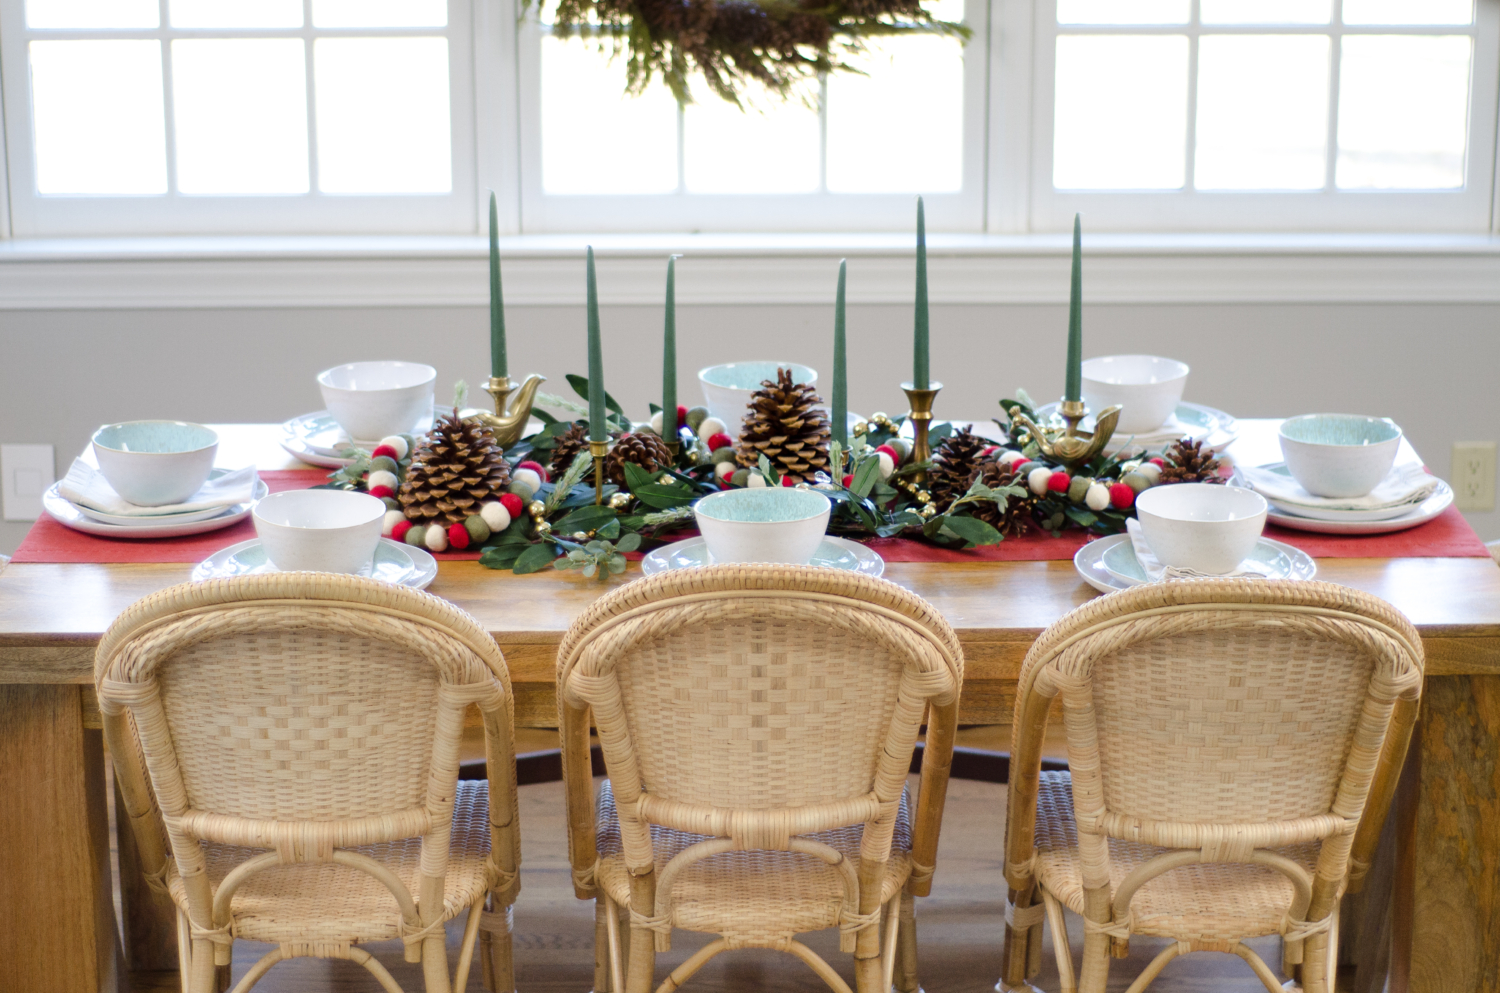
[773,524]
[319,530]
[371,400]
[1207,527]
[1148,389]
[155,463]
[1339,455]
[727,387]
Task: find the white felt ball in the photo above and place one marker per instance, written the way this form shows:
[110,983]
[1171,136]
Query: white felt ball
[392,518]
[756,481]
[725,469]
[887,465]
[529,477]
[1011,457]
[382,478]
[398,443]
[496,517]
[1097,497]
[1037,480]
[1151,471]
[656,424]
[436,538]
[711,426]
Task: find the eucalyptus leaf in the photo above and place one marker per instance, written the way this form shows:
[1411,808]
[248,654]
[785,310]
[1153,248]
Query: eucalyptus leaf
[764,465]
[616,564]
[972,530]
[534,558]
[628,542]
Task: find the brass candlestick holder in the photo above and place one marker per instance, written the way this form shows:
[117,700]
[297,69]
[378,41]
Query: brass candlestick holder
[1069,444]
[508,422]
[598,449]
[921,419]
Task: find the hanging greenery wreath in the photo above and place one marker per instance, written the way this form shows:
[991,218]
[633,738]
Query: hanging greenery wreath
[778,43]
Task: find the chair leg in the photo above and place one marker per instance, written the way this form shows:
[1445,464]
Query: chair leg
[1156,965]
[498,963]
[906,947]
[201,978]
[603,922]
[184,954]
[466,947]
[1095,972]
[1061,947]
[642,965]
[892,934]
[612,937]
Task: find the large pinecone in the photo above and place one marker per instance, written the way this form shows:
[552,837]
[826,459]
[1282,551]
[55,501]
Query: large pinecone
[643,449]
[787,425]
[457,468]
[953,466]
[1187,462]
[569,444]
[1017,517]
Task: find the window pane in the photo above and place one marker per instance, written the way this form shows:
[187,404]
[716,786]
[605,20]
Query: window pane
[383,120]
[769,147]
[1403,112]
[1265,11]
[899,129]
[595,137]
[97,115]
[1261,130]
[92,14]
[236,13]
[380,13]
[240,109]
[1122,11]
[1121,117]
[1408,11]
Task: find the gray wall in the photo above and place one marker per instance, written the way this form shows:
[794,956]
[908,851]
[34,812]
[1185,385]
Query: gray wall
[1431,367]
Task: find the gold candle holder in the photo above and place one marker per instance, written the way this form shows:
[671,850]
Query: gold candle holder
[1070,444]
[921,419]
[508,422]
[598,449]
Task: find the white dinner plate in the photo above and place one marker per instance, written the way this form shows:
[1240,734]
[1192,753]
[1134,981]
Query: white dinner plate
[317,439]
[1089,561]
[257,491]
[834,553]
[70,515]
[1441,500]
[1339,516]
[1277,560]
[1191,420]
[395,562]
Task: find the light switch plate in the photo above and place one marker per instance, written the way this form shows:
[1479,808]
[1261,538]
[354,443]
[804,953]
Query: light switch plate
[1474,475]
[26,471]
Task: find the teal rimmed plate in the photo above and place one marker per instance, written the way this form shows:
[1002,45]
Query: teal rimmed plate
[833,553]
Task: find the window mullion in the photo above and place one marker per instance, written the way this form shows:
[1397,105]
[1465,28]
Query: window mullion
[314,184]
[1335,56]
[822,132]
[169,116]
[1189,182]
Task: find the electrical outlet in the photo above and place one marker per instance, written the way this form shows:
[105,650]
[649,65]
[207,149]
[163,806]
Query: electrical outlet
[26,471]
[1473,475]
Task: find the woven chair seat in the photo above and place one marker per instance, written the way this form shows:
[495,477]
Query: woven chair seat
[754,899]
[1222,901]
[335,905]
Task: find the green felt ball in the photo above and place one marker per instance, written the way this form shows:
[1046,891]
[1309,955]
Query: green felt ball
[741,477]
[696,416]
[1079,488]
[384,462]
[391,503]
[1025,467]
[1136,481]
[417,535]
[725,454]
[902,447]
[521,490]
[477,528]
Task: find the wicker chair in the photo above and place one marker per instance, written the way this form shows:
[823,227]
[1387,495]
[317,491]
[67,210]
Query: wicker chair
[1233,745]
[292,741]
[757,723]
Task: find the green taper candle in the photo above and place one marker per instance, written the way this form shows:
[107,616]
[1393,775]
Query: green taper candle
[840,373]
[919,341]
[498,364]
[1074,387]
[597,431]
[669,357]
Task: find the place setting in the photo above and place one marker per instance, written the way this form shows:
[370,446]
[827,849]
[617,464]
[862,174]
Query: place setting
[366,402]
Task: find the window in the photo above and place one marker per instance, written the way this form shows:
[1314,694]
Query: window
[146,116]
[1246,114]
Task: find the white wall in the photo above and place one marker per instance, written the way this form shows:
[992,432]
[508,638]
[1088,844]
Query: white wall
[1430,366]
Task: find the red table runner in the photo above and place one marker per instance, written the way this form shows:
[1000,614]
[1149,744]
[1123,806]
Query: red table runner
[1446,536]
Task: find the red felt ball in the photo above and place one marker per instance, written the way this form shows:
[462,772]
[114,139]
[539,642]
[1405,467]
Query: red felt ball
[1159,462]
[1121,496]
[537,468]
[512,504]
[718,441]
[398,533]
[787,481]
[1059,482]
[681,415]
[385,450]
[989,450]
[887,449]
[458,536]
[382,491]
[848,480]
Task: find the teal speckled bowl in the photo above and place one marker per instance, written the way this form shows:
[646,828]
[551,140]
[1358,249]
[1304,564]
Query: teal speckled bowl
[155,463]
[1339,455]
[772,524]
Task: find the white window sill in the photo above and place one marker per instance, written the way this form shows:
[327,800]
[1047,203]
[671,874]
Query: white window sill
[547,270]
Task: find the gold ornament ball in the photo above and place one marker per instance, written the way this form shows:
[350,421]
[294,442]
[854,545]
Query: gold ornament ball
[537,509]
[620,500]
[861,428]
[879,418]
[580,536]
[924,497]
[542,527]
[928,510]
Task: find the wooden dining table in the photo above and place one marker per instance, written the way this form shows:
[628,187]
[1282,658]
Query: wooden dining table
[1435,918]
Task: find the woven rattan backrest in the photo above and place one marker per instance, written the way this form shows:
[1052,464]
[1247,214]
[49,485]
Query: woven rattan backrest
[757,687]
[1226,701]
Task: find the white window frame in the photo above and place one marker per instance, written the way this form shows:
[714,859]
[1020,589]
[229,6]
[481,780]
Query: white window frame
[1469,209]
[313,212]
[821,211]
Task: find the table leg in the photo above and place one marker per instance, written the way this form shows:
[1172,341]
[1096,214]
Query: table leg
[57,921]
[1455,944]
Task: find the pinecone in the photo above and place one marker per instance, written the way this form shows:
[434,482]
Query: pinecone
[569,444]
[458,467]
[642,449]
[785,424]
[953,466]
[1017,517]
[1188,463]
